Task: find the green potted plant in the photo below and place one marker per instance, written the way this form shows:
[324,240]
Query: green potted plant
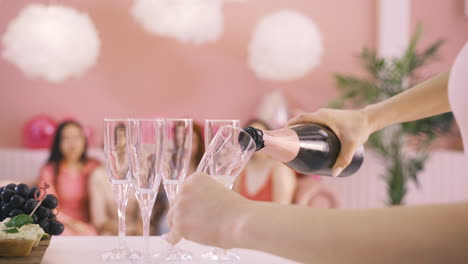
[385,78]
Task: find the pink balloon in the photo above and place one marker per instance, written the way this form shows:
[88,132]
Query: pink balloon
[38,132]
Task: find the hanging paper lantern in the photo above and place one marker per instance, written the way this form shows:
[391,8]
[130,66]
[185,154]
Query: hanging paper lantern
[38,132]
[195,21]
[285,46]
[51,42]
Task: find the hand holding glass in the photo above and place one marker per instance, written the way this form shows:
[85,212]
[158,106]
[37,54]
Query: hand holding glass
[225,157]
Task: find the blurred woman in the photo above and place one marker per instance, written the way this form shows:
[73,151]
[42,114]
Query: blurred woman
[265,179]
[158,219]
[67,172]
[312,192]
[198,148]
[103,205]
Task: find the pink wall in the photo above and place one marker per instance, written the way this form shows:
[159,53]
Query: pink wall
[140,75]
[441,20]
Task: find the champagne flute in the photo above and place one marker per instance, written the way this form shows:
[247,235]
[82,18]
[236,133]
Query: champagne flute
[226,156]
[213,125]
[177,148]
[119,175]
[144,148]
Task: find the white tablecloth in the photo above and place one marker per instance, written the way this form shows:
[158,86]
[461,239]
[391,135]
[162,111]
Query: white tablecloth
[87,250]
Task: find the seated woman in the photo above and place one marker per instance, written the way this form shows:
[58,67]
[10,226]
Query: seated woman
[198,148]
[67,172]
[265,179]
[103,205]
[158,219]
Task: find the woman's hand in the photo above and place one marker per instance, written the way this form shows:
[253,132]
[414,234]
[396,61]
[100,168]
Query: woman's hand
[206,212]
[352,127]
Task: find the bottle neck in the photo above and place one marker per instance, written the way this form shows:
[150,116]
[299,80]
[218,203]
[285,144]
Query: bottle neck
[257,136]
[282,145]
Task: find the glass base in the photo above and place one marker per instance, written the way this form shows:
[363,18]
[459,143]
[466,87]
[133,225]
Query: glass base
[118,254]
[221,255]
[152,259]
[176,254]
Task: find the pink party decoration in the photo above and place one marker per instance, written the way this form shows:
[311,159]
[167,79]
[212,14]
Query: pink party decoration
[38,132]
[42,42]
[285,46]
[274,109]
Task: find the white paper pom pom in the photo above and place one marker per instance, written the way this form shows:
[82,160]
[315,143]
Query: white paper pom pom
[285,46]
[195,21]
[51,42]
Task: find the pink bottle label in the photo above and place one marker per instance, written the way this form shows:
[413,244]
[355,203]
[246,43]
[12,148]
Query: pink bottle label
[282,144]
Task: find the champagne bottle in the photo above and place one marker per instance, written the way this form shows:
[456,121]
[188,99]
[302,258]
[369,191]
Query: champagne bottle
[306,148]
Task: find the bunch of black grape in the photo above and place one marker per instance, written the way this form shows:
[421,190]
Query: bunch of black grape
[20,199]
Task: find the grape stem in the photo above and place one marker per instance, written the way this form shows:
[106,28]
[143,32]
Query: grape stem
[37,206]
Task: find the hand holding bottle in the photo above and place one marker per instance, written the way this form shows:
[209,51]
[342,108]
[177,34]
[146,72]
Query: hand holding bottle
[352,128]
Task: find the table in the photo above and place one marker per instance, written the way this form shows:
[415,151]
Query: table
[87,250]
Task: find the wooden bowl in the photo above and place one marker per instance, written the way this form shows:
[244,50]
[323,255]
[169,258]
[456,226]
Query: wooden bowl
[34,257]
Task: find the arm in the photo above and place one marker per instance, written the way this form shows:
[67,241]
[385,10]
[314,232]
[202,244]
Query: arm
[99,199]
[423,234]
[284,184]
[423,100]
[418,234]
[353,127]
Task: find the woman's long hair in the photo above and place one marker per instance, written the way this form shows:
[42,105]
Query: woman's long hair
[198,132]
[56,155]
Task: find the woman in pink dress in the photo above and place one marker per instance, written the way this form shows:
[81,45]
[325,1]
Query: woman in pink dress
[67,172]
